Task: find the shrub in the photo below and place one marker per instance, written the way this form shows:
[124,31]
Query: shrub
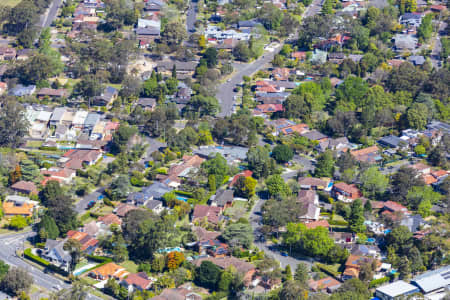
[327,270]
[377,282]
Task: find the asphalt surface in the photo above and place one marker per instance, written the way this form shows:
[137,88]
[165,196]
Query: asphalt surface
[8,246]
[191,17]
[255,222]
[225,93]
[81,206]
[47,19]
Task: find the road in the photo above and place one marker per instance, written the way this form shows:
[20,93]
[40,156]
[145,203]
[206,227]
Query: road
[225,93]
[81,206]
[191,17]
[8,246]
[437,46]
[255,221]
[49,16]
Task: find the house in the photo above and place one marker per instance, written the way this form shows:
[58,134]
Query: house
[433,282]
[156,191]
[137,281]
[318,57]
[228,44]
[343,237]
[64,175]
[244,268]
[87,242]
[203,235]
[413,223]
[223,198]
[179,293]
[148,104]
[91,120]
[208,213]
[79,118]
[396,290]
[367,155]
[245,174]
[24,187]
[21,90]
[247,24]
[315,224]
[178,171]
[365,250]
[18,206]
[353,266]
[299,55]
[155,205]
[154,5]
[315,135]
[339,144]
[109,270]
[267,109]
[439,126]
[309,201]
[52,93]
[421,168]
[281,74]
[405,42]
[122,209]
[212,247]
[336,57]
[7,53]
[110,219]
[416,60]
[411,19]
[395,207]
[297,128]
[54,253]
[328,284]
[57,115]
[75,158]
[107,97]
[233,154]
[182,68]
[392,141]
[345,192]
[311,182]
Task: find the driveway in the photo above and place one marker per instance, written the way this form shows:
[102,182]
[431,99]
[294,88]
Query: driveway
[191,17]
[153,145]
[305,162]
[255,221]
[81,206]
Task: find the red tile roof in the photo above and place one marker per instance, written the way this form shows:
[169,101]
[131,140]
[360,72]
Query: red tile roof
[246,173]
[395,206]
[320,223]
[110,219]
[25,186]
[212,213]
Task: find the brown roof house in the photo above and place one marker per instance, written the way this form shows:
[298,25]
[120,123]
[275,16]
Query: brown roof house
[109,270]
[179,293]
[137,281]
[25,187]
[242,267]
[313,183]
[223,198]
[182,170]
[18,206]
[75,158]
[367,155]
[345,192]
[52,93]
[328,284]
[353,266]
[208,213]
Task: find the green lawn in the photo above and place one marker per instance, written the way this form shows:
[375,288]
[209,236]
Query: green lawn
[11,3]
[130,266]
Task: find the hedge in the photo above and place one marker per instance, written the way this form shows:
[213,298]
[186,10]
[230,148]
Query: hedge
[27,253]
[183,193]
[327,270]
[99,258]
[338,222]
[377,282]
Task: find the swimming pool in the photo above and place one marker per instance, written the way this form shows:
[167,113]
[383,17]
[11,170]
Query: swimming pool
[182,198]
[83,269]
[371,240]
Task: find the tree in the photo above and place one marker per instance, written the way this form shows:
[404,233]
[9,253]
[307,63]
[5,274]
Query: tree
[16,281]
[416,260]
[238,234]
[417,116]
[400,239]
[30,171]
[207,275]
[242,52]
[417,195]
[352,289]
[204,105]
[312,27]
[279,213]
[366,272]
[356,221]
[174,33]
[13,124]
[277,187]
[120,187]
[325,165]
[49,226]
[402,182]
[37,68]
[373,182]
[425,29]
[74,248]
[291,290]
[404,268]
[210,56]
[4,268]
[18,222]
[259,161]
[301,273]
[282,153]
[271,16]
[420,150]
[121,138]
[245,187]
[288,272]
[218,167]
[174,259]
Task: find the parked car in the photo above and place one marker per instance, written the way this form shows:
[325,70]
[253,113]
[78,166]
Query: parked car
[91,204]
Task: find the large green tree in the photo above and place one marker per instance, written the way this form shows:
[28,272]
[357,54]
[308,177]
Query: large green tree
[13,124]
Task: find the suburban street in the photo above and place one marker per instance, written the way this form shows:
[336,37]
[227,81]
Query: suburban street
[225,93]
[255,221]
[191,17]
[8,246]
[47,19]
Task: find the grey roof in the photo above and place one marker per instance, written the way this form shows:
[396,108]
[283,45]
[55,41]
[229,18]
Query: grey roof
[411,16]
[20,90]
[180,65]
[412,222]
[397,288]
[147,102]
[152,204]
[230,153]
[438,125]
[57,114]
[433,280]
[417,59]
[91,119]
[248,23]
[355,57]
[314,135]
[391,141]
[153,31]
[156,190]
[222,197]
[56,251]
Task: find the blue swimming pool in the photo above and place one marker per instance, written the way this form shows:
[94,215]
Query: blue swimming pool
[371,240]
[182,198]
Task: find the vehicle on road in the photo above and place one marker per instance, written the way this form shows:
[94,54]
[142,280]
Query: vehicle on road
[284,254]
[90,204]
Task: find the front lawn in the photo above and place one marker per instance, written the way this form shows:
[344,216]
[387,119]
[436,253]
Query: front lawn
[130,266]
